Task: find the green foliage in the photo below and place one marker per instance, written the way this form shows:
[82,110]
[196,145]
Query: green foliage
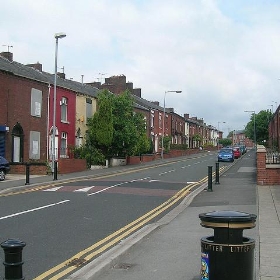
[100,126]
[197,137]
[179,147]
[92,155]
[225,142]
[143,143]
[124,140]
[166,143]
[262,120]
[114,130]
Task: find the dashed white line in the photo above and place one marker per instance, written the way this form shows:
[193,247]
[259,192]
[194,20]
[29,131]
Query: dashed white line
[33,210]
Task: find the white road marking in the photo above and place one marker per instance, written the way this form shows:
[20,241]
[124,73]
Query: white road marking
[103,190]
[53,189]
[173,170]
[84,189]
[32,210]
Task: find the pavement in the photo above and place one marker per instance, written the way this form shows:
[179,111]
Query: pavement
[171,248]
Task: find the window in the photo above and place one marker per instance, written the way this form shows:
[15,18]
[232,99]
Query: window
[152,120]
[88,108]
[63,145]
[36,102]
[63,105]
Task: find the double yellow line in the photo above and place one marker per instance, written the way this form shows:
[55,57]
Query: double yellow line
[88,254]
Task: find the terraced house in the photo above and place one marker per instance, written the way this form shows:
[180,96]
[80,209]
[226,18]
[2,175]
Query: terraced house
[27,104]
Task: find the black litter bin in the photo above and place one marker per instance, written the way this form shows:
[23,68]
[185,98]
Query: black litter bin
[227,255]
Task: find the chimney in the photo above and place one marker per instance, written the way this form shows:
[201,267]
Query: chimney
[129,86]
[116,84]
[61,75]
[94,84]
[155,102]
[7,55]
[137,92]
[171,110]
[37,66]
[187,116]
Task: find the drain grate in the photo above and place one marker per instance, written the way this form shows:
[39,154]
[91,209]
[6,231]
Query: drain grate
[77,262]
[125,266]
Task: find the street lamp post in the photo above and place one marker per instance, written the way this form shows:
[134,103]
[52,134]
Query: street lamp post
[255,134]
[163,123]
[57,36]
[218,134]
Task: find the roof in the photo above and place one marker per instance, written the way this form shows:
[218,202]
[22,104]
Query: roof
[21,70]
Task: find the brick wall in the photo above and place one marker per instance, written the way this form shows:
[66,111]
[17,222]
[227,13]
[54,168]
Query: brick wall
[66,165]
[40,169]
[267,174]
[15,96]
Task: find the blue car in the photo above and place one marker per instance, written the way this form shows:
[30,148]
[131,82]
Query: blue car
[226,154]
[4,168]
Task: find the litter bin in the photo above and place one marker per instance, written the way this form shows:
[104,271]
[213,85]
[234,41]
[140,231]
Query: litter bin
[227,254]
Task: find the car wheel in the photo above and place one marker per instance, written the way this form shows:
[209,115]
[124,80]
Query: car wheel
[2,175]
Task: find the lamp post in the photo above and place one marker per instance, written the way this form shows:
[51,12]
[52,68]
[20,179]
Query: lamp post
[56,36]
[163,123]
[255,134]
[218,134]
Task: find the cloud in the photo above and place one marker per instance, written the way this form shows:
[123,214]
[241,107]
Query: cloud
[223,55]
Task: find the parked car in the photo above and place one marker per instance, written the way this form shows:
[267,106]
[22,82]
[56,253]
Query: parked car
[4,168]
[226,154]
[243,149]
[236,152]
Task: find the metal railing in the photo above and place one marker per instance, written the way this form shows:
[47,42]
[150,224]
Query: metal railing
[272,157]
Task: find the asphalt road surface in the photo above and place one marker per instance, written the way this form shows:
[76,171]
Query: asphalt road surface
[67,225]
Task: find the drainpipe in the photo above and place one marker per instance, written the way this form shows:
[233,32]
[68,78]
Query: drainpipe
[48,121]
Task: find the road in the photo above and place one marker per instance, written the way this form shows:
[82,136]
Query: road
[67,225]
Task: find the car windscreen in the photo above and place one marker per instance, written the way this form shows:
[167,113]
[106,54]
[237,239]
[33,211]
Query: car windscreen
[226,151]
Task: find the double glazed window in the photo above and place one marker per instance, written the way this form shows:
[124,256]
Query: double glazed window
[63,105]
[63,145]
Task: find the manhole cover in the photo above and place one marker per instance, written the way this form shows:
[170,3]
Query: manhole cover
[77,262]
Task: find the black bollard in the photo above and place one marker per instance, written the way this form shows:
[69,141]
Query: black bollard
[13,259]
[55,171]
[27,173]
[209,189]
[217,174]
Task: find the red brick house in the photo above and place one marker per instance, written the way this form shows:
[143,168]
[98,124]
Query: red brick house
[23,114]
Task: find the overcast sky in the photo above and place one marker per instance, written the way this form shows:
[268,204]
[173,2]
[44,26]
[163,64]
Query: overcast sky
[223,54]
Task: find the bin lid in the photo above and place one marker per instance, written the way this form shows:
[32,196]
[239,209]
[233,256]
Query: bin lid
[228,218]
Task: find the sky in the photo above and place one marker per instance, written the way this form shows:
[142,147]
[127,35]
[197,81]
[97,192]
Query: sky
[224,55]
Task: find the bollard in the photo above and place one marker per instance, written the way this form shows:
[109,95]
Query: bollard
[55,171]
[217,174]
[209,189]
[13,259]
[27,173]
[227,255]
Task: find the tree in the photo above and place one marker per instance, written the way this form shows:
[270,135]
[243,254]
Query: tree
[114,130]
[225,142]
[100,126]
[99,135]
[261,121]
[124,133]
[143,143]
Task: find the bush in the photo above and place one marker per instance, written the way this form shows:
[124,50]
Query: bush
[179,147]
[92,155]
